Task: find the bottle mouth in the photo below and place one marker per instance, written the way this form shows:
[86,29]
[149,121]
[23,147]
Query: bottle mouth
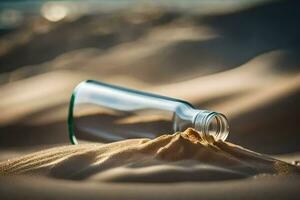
[212,125]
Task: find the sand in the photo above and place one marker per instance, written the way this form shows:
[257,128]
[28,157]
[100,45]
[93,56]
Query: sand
[136,168]
[250,73]
[181,156]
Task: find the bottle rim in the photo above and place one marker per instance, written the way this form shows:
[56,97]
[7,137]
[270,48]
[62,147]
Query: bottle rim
[212,125]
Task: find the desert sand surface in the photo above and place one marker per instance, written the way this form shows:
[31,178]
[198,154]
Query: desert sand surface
[242,62]
[182,157]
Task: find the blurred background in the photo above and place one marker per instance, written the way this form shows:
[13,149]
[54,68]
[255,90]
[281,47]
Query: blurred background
[237,57]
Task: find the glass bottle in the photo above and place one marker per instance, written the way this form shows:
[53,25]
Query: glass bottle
[101,112]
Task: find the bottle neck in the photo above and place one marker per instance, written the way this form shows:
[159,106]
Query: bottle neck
[211,125]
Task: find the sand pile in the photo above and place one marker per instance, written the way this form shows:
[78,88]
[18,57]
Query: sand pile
[183,156]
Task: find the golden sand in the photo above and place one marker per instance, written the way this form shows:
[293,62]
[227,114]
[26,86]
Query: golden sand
[178,157]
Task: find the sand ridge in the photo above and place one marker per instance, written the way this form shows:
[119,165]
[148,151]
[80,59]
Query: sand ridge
[181,156]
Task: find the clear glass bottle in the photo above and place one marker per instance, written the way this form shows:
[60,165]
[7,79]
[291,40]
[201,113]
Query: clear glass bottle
[100,112]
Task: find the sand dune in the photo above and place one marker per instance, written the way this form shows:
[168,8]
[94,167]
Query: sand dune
[168,158]
[243,63]
[247,91]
